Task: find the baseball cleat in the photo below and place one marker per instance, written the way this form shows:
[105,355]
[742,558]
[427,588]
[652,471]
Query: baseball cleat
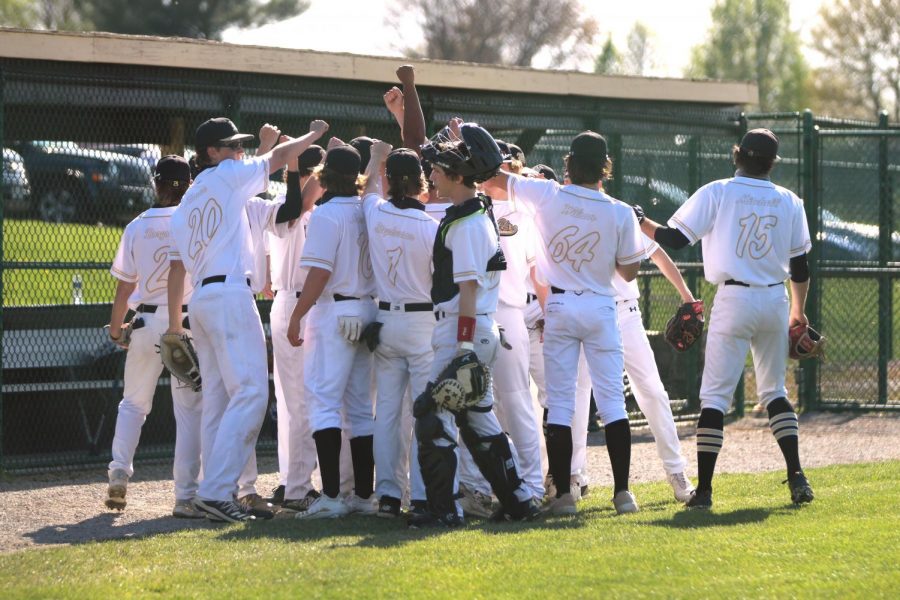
[564,505]
[223,511]
[185,509]
[363,506]
[625,503]
[388,507]
[115,493]
[277,496]
[681,485]
[801,491]
[475,503]
[417,508]
[294,506]
[549,487]
[426,520]
[325,507]
[257,506]
[700,499]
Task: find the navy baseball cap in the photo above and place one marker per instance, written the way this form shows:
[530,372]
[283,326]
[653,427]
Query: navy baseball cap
[546,171]
[343,160]
[363,145]
[312,157]
[403,162]
[218,132]
[504,150]
[760,143]
[588,145]
[516,153]
[174,169]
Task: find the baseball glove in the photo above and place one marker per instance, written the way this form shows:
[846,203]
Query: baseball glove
[686,326]
[462,383]
[124,339]
[177,353]
[805,342]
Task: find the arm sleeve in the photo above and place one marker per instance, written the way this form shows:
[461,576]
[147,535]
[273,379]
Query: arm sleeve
[696,216]
[322,239]
[799,268]
[630,248]
[249,176]
[292,207]
[123,266]
[671,238]
[800,242]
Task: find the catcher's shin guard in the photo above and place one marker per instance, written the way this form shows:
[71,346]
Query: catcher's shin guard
[437,463]
[493,456]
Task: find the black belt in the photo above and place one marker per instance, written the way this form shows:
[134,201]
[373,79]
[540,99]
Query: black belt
[341,298]
[556,290]
[411,307]
[529,298]
[440,314]
[742,284]
[218,279]
[151,308]
[297,294]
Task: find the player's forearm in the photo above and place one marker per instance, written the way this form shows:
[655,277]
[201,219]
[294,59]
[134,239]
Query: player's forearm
[540,290]
[175,294]
[799,291]
[124,289]
[283,153]
[315,283]
[670,271]
[412,128]
[312,191]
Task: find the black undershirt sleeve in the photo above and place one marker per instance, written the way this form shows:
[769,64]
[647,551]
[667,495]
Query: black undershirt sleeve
[670,238]
[799,269]
[292,206]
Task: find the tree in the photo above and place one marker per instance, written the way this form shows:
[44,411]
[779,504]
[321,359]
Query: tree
[860,42]
[511,32]
[609,61]
[44,14]
[17,13]
[754,41]
[639,58]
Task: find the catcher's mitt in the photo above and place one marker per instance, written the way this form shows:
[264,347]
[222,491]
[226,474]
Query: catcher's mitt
[686,326]
[177,353]
[805,342]
[462,383]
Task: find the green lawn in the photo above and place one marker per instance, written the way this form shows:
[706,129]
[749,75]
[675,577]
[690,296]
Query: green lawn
[753,544]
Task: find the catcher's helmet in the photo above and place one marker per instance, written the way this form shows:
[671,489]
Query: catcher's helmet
[476,155]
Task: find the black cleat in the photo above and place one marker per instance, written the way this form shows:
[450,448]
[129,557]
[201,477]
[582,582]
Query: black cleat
[417,507]
[277,496]
[429,520]
[388,507]
[801,491]
[700,499]
[226,511]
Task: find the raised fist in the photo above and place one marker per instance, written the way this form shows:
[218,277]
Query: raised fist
[393,99]
[380,150]
[268,135]
[406,74]
[318,127]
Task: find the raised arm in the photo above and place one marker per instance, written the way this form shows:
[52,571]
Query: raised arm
[375,169]
[393,100]
[268,137]
[413,128]
[283,153]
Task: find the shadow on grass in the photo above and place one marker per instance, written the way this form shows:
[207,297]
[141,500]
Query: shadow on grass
[695,519]
[103,527]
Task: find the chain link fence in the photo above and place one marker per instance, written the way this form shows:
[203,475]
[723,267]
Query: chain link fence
[79,142]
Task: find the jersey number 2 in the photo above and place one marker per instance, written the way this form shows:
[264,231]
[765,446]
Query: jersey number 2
[204,224]
[562,247]
[754,239]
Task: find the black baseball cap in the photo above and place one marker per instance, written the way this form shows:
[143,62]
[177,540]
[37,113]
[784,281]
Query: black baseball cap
[343,160]
[403,162]
[760,143]
[516,153]
[172,168]
[504,150]
[363,145]
[218,132]
[546,171]
[589,145]
[312,157]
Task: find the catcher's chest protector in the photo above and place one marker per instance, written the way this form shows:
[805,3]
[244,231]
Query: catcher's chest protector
[442,286]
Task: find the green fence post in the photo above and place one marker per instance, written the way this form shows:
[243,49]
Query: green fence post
[809,369]
[885,251]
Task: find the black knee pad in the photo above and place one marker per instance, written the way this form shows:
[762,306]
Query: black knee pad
[429,428]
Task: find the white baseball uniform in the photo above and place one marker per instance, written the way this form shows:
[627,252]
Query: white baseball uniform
[750,228]
[400,244]
[212,234]
[143,258]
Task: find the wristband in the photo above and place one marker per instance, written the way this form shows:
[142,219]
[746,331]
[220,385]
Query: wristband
[465,329]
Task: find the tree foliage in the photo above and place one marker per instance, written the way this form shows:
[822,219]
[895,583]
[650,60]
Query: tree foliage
[609,61]
[511,32]
[860,42]
[754,41]
[640,56]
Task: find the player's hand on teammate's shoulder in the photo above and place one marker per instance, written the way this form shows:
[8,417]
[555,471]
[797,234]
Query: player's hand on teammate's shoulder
[406,74]
[268,136]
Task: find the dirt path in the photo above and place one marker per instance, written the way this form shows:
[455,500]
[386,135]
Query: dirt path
[67,508]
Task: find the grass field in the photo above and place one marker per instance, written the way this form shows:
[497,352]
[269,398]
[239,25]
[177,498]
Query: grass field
[753,544]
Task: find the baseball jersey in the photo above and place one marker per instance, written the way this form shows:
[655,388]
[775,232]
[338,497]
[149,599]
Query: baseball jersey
[261,216]
[437,210]
[517,239]
[143,258]
[583,232]
[473,242]
[400,246]
[211,227]
[284,257]
[751,228]
[628,290]
[336,241]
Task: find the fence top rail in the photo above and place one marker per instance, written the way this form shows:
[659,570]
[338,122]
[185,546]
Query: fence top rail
[218,56]
[859,132]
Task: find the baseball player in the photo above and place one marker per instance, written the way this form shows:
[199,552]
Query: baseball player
[296,449]
[587,237]
[213,243]
[141,266]
[755,236]
[465,288]
[401,236]
[338,296]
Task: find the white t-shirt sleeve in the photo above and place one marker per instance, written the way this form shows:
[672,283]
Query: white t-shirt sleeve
[630,248]
[530,191]
[800,242]
[124,267]
[470,247]
[695,218]
[248,177]
[322,239]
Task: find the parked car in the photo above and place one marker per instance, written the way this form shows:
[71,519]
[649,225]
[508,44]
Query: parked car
[72,183]
[16,187]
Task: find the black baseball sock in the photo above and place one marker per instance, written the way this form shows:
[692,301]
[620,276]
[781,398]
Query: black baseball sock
[559,456]
[618,446]
[710,436]
[363,465]
[328,448]
[786,429]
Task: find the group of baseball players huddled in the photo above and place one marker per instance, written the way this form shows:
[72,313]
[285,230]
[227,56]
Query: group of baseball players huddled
[418,293]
